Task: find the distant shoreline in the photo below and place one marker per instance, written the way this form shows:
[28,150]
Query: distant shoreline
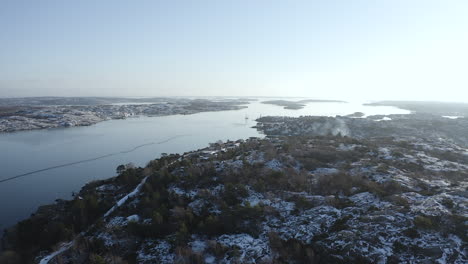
[296,105]
[47,113]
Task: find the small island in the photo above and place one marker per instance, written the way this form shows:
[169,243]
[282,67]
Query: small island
[295,105]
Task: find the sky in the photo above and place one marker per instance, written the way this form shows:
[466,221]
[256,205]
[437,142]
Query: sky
[331,49]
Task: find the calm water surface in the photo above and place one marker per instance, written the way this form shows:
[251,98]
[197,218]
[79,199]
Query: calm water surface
[23,152]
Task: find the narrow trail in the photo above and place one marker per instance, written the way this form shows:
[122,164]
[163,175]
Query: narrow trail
[66,246]
[91,159]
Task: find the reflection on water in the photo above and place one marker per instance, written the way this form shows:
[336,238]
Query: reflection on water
[29,151]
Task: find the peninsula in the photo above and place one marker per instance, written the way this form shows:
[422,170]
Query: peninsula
[18,114]
[295,105]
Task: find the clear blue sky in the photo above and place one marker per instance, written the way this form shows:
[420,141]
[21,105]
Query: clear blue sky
[387,49]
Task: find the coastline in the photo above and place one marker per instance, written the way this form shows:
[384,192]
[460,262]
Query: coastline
[24,118]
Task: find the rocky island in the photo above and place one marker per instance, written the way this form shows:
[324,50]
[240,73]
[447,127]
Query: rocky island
[295,105]
[18,114]
[315,190]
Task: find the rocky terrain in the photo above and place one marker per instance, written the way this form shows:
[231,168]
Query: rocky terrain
[410,127]
[39,113]
[316,190]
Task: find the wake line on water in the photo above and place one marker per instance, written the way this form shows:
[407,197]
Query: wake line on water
[91,159]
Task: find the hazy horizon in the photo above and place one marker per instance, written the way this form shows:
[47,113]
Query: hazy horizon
[260,97]
[360,50]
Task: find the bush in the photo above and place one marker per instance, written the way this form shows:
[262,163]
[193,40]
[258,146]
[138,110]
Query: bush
[340,183]
[182,235]
[216,249]
[448,203]
[398,200]
[456,224]
[86,210]
[10,257]
[398,247]
[96,259]
[185,255]
[291,251]
[233,194]
[311,163]
[411,233]
[301,202]
[423,222]
[233,220]
[340,224]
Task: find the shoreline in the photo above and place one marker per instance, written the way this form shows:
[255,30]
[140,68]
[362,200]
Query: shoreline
[50,117]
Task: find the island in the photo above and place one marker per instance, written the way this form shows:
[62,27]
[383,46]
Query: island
[295,105]
[448,109]
[314,190]
[18,114]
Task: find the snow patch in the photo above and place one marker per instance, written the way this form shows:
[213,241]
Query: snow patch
[251,249]
[155,251]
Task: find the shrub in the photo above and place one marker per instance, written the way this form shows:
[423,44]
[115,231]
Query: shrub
[291,251]
[96,259]
[301,202]
[182,235]
[233,193]
[398,247]
[216,249]
[310,163]
[10,257]
[398,200]
[185,255]
[233,220]
[448,203]
[411,233]
[382,168]
[276,242]
[340,224]
[423,222]
[298,181]
[340,183]
[456,224]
